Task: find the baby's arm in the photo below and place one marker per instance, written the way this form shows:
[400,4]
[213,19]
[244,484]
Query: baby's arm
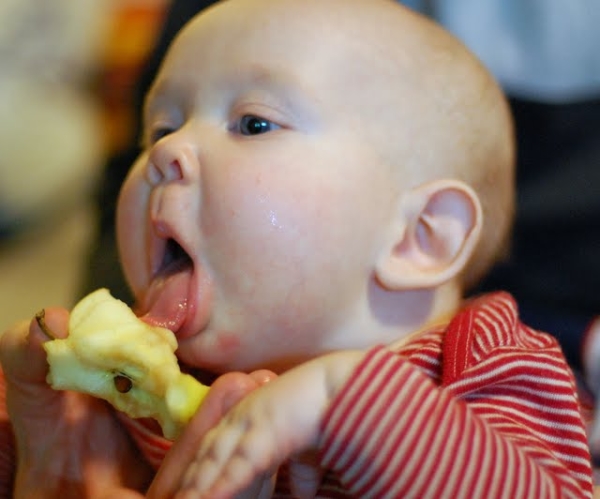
[67,444]
[392,432]
[386,429]
[225,392]
[269,426]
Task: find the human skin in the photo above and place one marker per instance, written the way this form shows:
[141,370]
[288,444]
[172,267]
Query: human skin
[86,452]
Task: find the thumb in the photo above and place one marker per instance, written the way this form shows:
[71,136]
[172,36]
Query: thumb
[22,357]
[29,399]
[305,475]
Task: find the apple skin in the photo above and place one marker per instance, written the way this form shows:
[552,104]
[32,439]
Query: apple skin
[113,355]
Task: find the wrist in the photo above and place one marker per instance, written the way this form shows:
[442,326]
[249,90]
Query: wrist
[340,366]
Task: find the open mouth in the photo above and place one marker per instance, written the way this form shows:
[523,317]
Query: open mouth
[175,259]
[166,301]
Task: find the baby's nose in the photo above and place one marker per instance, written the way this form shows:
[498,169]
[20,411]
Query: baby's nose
[170,161]
[159,173]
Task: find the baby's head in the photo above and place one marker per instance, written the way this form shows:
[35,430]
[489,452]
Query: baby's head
[317,175]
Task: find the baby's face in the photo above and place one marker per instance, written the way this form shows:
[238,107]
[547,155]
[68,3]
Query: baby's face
[251,222]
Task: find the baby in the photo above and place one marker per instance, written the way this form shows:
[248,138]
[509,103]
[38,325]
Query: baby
[321,184]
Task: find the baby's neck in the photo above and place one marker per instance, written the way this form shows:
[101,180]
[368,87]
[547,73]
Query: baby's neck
[445,306]
[405,313]
[390,316]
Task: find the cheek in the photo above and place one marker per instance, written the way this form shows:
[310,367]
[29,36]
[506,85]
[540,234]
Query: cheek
[131,214]
[261,221]
[282,239]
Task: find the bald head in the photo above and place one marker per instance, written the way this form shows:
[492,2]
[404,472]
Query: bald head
[408,89]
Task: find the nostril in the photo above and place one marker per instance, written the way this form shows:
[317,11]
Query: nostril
[175,172]
[170,172]
[154,174]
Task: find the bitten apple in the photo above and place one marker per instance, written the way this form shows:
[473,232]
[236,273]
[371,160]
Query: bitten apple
[111,354]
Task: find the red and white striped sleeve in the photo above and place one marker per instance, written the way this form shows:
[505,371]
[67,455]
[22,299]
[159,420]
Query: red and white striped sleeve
[491,412]
[148,437]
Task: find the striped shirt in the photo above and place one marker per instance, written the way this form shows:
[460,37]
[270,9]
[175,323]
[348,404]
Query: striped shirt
[482,407]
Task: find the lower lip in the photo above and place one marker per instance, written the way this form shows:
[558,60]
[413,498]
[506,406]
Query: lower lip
[178,302]
[165,304]
[199,305]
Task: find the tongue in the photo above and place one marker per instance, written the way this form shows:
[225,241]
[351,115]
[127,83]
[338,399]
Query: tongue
[166,301]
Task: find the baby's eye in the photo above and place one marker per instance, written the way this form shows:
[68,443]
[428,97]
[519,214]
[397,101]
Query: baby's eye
[158,133]
[254,125]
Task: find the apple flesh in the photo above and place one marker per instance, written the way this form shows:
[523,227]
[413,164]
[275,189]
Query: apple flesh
[111,354]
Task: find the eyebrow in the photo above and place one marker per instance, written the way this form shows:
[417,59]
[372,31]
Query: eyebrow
[156,93]
[283,85]
[259,74]
[295,93]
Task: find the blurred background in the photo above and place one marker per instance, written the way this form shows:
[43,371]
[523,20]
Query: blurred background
[67,72]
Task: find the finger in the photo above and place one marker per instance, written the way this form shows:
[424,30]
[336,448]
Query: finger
[262,488]
[304,476]
[21,354]
[263,376]
[25,367]
[13,349]
[225,392]
[232,456]
[217,456]
[50,323]
[233,387]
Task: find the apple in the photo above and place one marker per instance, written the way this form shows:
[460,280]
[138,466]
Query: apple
[113,355]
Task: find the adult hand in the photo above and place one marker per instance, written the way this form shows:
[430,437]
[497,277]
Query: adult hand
[68,444]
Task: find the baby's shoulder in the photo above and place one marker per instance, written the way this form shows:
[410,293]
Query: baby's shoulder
[491,321]
[487,335]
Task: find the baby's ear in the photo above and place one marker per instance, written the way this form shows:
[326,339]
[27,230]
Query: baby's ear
[437,229]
